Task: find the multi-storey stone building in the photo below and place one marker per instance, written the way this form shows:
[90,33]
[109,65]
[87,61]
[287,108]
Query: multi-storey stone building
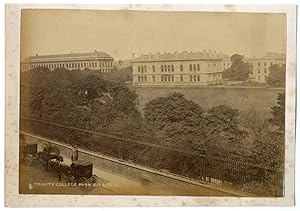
[226,62]
[186,68]
[260,66]
[95,61]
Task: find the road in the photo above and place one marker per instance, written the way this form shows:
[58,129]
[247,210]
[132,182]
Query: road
[36,180]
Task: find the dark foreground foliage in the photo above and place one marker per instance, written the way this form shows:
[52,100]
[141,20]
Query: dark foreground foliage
[96,102]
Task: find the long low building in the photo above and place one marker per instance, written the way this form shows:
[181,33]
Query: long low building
[260,67]
[186,68]
[75,61]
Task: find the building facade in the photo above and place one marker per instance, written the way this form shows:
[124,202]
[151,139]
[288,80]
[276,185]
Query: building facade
[74,61]
[260,67]
[186,68]
[226,62]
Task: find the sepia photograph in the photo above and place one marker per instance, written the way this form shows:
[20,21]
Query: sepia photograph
[153,103]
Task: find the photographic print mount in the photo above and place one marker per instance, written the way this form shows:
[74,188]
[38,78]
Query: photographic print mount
[165,106]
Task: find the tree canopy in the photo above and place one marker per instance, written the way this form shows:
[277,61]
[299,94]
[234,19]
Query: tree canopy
[276,76]
[278,113]
[239,69]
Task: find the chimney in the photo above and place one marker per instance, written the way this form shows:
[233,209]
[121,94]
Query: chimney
[176,55]
[184,54]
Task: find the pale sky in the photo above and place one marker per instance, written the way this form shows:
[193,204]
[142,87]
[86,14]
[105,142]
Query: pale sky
[121,33]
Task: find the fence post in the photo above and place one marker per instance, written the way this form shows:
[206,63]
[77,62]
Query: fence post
[120,152]
[202,154]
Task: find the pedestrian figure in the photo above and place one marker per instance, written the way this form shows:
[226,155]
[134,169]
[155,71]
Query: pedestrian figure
[74,156]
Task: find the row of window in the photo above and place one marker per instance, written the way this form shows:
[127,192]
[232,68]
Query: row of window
[227,64]
[169,68]
[265,63]
[265,70]
[171,78]
[74,65]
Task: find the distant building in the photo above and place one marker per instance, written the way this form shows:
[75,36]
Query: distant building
[186,68]
[260,66]
[95,61]
[226,62]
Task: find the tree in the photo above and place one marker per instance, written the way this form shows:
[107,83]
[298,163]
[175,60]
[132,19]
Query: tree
[239,69]
[276,76]
[278,113]
[124,74]
[254,122]
[162,111]
[223,134]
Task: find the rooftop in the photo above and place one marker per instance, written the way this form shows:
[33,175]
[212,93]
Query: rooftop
[70,56]
[180,56]
[270,56]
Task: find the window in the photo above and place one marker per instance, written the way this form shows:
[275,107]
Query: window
[153,68]
[194,67]
[265,70]
[153,78]
[198,67]
[258,70]
[138,68]
[198,77]
[181,68]
[258,63]
[265,64]
[145,78]
[162,77]
[191,67]
[271,63]
[142,69]
[162,68]
[96,64]
[191,78]
[181,77]
[194,77]
[139,78]
[172,68]
[169,68]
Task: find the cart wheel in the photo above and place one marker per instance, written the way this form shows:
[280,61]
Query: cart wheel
[83,182]
[29,159]
[93,180]
[69,179]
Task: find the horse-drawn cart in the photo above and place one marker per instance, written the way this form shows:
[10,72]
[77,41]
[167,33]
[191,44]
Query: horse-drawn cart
[81,172]
[29,153]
